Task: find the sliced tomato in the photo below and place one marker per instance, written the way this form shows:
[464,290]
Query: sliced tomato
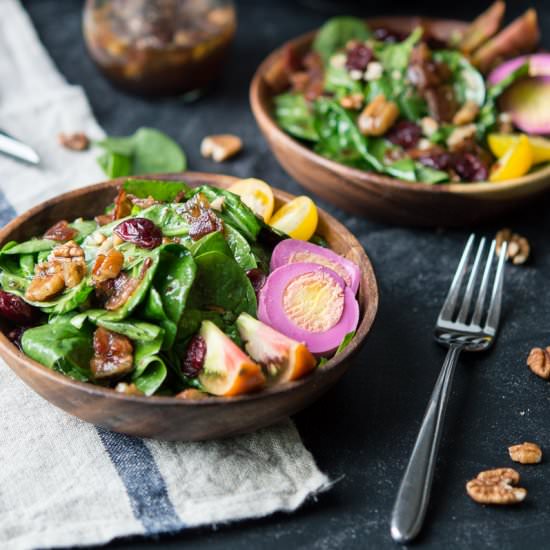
[297,218]
[257,195]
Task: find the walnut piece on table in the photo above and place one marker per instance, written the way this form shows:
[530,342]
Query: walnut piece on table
[498,486]
[221,146]
[518,246]
[525,453]
[78,141]
[539,362]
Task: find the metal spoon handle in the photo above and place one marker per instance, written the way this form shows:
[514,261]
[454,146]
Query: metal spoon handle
[413,496]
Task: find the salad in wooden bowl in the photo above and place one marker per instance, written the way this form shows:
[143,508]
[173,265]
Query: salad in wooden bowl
[178,294]
[440,106]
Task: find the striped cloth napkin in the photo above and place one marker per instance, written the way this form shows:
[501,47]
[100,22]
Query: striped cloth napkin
[64,482]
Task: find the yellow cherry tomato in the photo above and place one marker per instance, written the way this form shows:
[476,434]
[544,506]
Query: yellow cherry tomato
[297,218]
[257,195]
[516,162]
[500,143]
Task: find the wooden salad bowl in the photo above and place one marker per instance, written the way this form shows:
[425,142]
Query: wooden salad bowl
[375,195]
[170,418]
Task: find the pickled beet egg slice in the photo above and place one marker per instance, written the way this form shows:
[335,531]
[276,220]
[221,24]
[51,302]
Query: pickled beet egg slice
[293,251]
[309,303]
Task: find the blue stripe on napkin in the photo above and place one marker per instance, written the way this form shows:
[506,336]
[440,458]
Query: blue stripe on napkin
[133,461]
[144,483]
[7,211]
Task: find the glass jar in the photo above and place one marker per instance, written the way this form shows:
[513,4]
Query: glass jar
[159,47]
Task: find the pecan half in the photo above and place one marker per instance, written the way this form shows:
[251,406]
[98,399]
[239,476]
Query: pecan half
[192,394]
[48,282]
[378,116]
[467,113]
[525,453]
[221,147]
[539,362]
[71,259]
[496,487]
[77,141]
[519,248]
[107,266]
[352,101]
[113,354]
[61,232]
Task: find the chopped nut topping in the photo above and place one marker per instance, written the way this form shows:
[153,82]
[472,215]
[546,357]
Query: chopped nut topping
[107,266]
[221,147]
[504,123]
[191,394]
[525,453]
[61,232]
[496,487]
[461,135]
[127,389]
[78,141]
[467,113]
[113,354]
[67,251]
[47,282]
[353,101]
[378,116]
[518,246]
[539,362]
[429,126]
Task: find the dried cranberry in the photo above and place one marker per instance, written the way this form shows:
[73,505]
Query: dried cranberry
[469,167]
[359,56]
[194,357]
[16,334]
[386,35]
[257,278]
[405,133]
[61,232]
[15,309]
[141,232]
[439,161]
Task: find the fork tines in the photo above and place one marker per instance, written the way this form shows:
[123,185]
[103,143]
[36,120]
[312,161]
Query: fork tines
[461,313]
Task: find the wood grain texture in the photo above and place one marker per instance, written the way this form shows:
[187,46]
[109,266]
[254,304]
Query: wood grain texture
[167,417]
[374,195]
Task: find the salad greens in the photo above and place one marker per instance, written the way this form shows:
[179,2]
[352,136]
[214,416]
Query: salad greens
[146,151]
[434,109]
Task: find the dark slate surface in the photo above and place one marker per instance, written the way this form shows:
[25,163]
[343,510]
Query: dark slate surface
[362,431]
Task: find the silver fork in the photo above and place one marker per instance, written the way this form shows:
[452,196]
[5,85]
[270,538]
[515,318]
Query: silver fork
[460,330]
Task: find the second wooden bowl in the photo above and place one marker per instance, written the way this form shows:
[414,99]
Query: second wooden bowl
[168,417]
[381,197]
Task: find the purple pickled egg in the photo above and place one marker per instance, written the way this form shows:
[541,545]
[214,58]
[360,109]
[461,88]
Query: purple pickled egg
[527,100]
[293,251]
[309,303]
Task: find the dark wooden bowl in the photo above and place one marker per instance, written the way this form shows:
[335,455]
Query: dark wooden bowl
[167,417]
[381,197]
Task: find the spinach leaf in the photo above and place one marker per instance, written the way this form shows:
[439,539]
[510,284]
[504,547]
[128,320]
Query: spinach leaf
[132,328]
[234,211]
[339,82]
[168,218]
[395,57]
[212,242]
[240,249]
[160,190]
[84,228]
[150,370]
[146,151]
[425,174]
[467,81]
[335,34]
[403,169]
[31,246]
[26,264]
[221,284]
[115,165]
[294,115]
[345,342]
[61,347]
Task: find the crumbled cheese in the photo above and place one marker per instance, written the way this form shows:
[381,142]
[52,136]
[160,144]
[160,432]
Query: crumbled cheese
[374,71]
[424,144]
[338,61]
[429,126]
[356,75]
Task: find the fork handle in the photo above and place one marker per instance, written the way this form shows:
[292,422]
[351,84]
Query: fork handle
[413,496]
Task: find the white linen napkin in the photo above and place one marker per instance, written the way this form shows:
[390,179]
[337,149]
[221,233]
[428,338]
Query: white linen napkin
[64,482]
